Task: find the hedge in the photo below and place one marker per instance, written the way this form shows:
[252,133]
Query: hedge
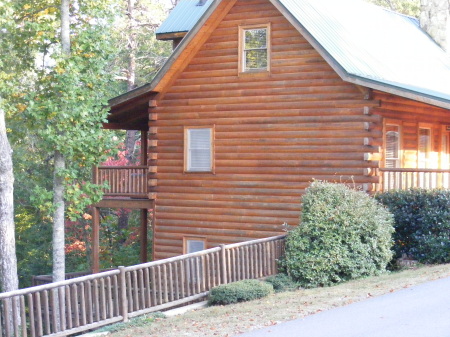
[343,234]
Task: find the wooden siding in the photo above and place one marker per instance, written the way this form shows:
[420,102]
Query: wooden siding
[411,115]
[274,133]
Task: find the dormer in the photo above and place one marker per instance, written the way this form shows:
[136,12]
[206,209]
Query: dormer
[181,20]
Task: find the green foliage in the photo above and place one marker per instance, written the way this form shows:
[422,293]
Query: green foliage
[343,234]
[240,291]
[407,7]
[282,282]
[422,223]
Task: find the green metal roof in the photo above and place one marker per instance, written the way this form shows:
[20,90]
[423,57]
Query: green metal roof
[183,17]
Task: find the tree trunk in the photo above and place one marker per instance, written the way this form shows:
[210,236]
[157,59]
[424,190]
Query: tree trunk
[435,20]
[8,269]
[59,263]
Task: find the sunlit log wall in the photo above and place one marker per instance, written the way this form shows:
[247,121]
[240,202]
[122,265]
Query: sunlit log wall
[410,115]
[274,134]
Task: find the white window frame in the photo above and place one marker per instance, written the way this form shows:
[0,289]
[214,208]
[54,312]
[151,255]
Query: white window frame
[188,150]
[242,49]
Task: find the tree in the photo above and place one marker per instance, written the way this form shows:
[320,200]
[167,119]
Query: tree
[407,7]
[435,20]
[67,103]
[8,260]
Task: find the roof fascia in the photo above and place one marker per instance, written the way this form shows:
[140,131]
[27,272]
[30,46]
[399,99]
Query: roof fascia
[345,76]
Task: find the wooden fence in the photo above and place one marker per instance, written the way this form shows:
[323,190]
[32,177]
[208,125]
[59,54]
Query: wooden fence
[88,302]
[405,178]
[128,181]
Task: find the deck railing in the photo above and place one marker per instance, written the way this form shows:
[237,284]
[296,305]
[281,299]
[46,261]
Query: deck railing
[123,181]
[405,178]
[88,302]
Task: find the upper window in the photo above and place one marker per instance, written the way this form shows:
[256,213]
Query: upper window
[198,150]
[255,48]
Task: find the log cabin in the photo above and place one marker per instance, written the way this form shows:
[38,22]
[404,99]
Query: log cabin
[259,98]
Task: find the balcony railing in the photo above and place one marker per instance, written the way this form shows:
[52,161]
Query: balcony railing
[123,181]
[404,178]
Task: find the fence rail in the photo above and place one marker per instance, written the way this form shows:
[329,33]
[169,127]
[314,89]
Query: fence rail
[128,181]
[88,302]
[405,178]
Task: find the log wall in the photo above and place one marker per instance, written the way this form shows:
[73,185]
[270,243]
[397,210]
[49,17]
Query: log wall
[274,134]
[411,115]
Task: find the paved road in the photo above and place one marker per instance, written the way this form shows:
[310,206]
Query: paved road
[420,311]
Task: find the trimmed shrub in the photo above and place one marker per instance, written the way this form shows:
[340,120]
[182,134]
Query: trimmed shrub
[240,291]
[343,234]
[282,282]
[422,223]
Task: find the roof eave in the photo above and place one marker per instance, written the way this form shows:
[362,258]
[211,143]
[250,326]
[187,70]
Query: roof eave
[399,91]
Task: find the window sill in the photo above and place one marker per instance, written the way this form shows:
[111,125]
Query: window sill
[254,74]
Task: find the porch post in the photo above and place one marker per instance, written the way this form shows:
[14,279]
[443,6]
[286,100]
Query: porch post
[143,236]
[95,240]
[144,148]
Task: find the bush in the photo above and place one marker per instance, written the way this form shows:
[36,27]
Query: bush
[422,223]
[240,291]
[282,282]
[344,234]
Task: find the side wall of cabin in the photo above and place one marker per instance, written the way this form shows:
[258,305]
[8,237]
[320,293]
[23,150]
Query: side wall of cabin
[274,134]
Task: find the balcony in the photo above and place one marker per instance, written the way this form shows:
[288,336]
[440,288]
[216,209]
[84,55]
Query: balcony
[405,178]
[123,181]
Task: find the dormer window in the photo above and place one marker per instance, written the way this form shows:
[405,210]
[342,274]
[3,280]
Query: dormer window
[254,48]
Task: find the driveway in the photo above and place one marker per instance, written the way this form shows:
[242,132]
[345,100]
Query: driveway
[420,311]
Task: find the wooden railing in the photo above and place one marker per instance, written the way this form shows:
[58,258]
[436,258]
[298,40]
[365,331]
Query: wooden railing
[123,181]
[404,178]
[88,302]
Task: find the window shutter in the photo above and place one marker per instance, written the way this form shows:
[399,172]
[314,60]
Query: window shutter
[392,149]
[199,150]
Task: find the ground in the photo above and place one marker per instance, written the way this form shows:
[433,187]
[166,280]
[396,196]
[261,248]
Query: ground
[232,320]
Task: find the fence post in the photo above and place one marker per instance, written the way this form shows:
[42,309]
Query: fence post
[223,264]
[123,293]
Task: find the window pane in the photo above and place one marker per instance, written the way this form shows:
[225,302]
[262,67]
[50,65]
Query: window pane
[256,38]
[256,59]
[199,150]
[200,159]
[194,246]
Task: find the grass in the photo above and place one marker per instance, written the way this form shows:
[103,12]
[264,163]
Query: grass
[231,320]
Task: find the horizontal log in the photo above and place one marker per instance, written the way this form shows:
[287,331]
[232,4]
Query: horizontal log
[230,211]
[230,197]
[196,228]
[263,91]
[174,178]
[229,221]
[282,156]
[238,207]
[361,134]
[235,191]
[326,96]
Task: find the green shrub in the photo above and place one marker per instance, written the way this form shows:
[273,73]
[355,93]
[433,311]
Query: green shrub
[240,291]
[343,234]
[282,282]
[422,223]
